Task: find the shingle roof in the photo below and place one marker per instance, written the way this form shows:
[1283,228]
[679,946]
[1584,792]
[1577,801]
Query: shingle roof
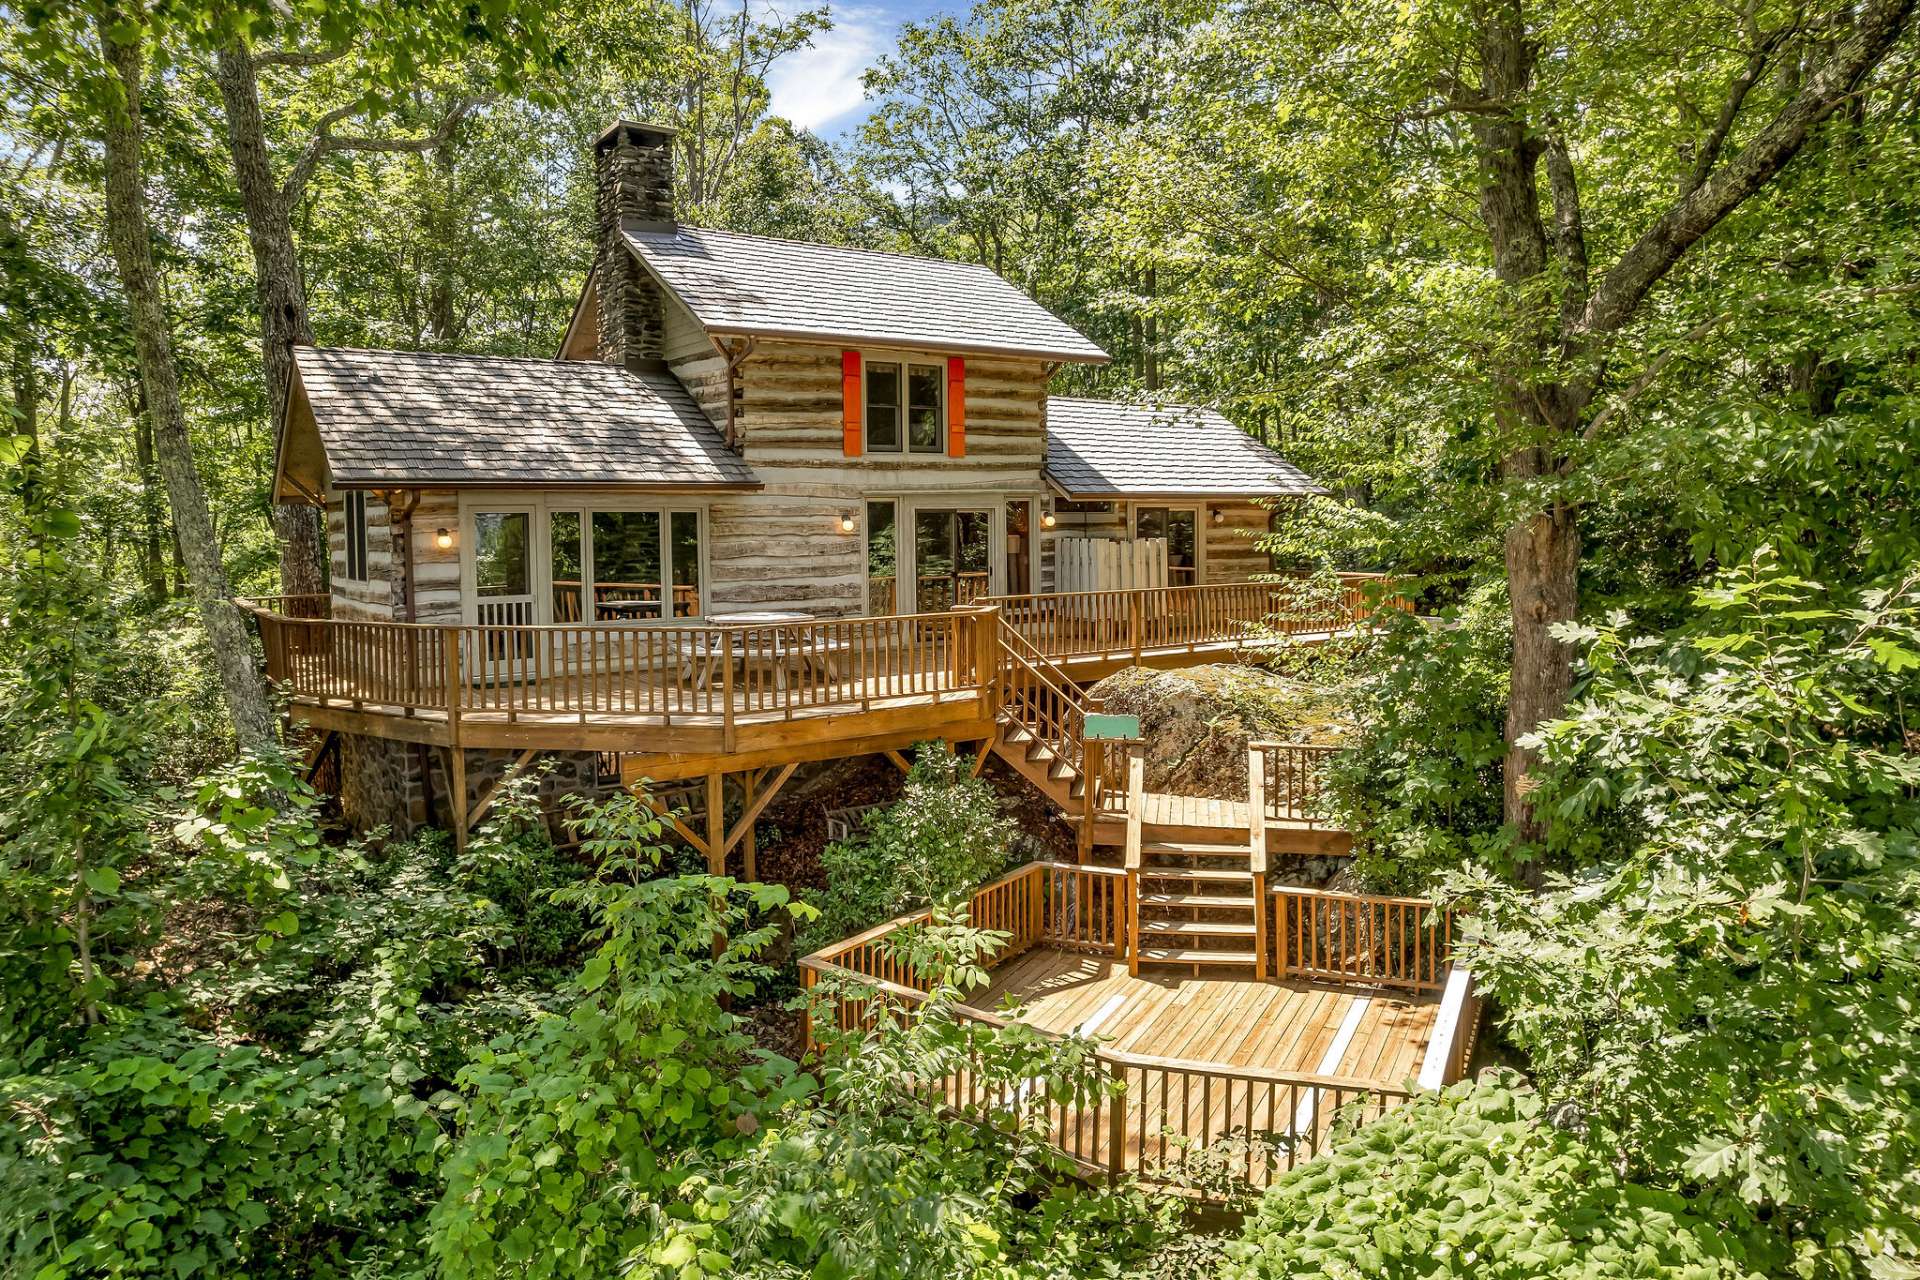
[418,418]
[791,289]
[1102,449]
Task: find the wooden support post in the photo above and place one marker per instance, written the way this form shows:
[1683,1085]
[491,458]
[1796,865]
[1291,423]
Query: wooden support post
[749,845]
[1257,854]
[900,762]
[457,794]
[1136,802]
[1133,624]
[493,792]
[1093,760]
[742,832]
[717,823]
[981,750]
[1117,1126]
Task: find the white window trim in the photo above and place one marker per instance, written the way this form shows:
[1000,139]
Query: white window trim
[905,360]
[906,515]
[540,544]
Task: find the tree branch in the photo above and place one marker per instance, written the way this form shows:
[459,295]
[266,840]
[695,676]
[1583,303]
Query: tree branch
[301,57]
[1877,25]
[1569,229]
[1653,371]
[325,143]
[1716,139]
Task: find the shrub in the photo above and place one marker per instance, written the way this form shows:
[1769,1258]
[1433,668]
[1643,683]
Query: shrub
[1472,1182]
[1421,787]
[946,834]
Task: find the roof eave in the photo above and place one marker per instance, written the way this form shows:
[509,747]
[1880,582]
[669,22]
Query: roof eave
[606,486]
[1178,495]
[902,343]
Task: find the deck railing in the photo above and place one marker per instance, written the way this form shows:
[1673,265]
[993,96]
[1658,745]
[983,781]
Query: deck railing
[1358,938]
[1291,773]
[656,673]
[1171,1120]
[1130,623]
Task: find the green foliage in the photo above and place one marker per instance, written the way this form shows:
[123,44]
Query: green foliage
[571,1125]
[945,835]
[1421,786]
[865,1180]
[1474,1181]
[1728,995]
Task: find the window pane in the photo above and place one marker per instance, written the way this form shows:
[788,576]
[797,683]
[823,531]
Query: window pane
[933,560]
[1181,551]
[974,554]
[563,531]
[1150,522]
[686,564]
[923,408]
[883,407]
[626,564]
[500,553]
[1019,547]
[882,559]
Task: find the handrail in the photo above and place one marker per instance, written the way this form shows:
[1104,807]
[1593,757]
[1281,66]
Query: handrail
[1290,778]
[1325,935]
[1274,1118]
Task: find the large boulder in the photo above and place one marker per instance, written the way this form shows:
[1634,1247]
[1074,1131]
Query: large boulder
[1197,722]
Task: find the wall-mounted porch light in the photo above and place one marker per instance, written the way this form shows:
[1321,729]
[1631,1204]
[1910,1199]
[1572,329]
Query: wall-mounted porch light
[847,523]
[1219,515]
[1047,518]
[443,538]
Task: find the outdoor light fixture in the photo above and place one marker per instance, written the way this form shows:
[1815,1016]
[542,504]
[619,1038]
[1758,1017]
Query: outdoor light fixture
[1047,518]
[1219,516]
[443,538]
[846,522]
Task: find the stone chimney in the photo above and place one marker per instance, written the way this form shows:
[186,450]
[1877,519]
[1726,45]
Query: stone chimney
[633,179]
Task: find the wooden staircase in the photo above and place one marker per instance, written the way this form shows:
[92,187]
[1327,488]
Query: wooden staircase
[1195,897]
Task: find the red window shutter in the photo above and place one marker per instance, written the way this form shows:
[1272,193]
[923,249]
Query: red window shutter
[850,437]
[956,407]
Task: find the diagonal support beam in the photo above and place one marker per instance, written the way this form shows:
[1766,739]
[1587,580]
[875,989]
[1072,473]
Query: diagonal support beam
[899,761]
[758,806]
[673,820]
[486,801]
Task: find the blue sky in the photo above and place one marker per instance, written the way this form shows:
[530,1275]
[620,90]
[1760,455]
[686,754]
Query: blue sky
[819,88]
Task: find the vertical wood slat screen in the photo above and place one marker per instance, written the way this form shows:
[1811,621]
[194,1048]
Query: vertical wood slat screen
[851,442]
[956,407]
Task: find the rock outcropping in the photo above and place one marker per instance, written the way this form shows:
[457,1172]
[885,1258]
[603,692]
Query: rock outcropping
[1197,723]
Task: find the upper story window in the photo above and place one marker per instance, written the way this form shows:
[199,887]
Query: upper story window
[906,407]
[353,509]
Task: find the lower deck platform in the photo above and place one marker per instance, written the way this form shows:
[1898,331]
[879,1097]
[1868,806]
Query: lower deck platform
[1372,1034]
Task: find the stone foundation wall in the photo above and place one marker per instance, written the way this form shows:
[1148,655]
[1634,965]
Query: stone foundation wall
[404,787]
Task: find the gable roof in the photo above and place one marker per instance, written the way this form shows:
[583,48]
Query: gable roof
[1102,449]
[419,419]
[760,286]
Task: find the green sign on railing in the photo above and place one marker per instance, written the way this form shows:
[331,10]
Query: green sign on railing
[1105,728]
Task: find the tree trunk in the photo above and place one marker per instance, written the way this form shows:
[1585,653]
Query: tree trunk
[131,237]
[1543,572]
[282,295]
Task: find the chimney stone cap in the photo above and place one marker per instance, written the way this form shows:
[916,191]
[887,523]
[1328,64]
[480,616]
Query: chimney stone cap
[640,132]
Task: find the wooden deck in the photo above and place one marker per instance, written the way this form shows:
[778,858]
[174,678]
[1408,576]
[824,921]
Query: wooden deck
[1208,1080]
[1362,1033]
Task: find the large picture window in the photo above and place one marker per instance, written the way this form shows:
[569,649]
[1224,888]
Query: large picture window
[906,408]
[594,564]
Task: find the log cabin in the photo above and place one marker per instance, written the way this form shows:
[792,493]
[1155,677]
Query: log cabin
[736,430]
[775,502]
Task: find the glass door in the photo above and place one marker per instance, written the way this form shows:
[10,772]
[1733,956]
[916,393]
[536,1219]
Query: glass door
[952,558]
[503,567]
[1019,546]
[1180,526]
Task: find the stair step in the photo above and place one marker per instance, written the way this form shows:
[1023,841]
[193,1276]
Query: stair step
[1209,928]
[1197,873]
[1194,955]
[1192,900]
[1194,849]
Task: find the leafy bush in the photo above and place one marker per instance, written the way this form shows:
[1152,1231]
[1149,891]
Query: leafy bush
[1472,1182]
[945,834]
[1421,787]
[574,1124]
[1731,997]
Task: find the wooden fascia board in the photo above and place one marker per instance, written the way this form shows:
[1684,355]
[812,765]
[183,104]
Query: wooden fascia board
[573,321]
[296,395]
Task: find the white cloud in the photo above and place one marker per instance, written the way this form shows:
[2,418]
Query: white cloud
[820,84]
